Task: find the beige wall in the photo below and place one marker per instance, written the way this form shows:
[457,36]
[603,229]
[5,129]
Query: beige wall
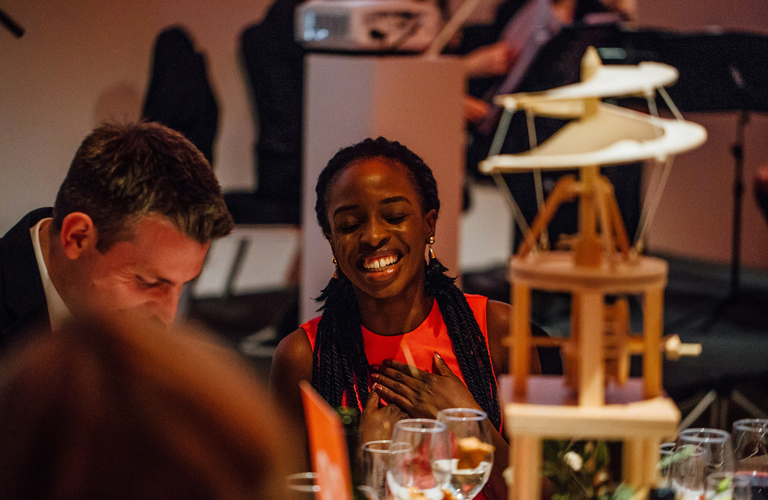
[82,61]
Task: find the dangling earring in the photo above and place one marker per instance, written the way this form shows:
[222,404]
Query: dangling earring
[335,271]
[431,241]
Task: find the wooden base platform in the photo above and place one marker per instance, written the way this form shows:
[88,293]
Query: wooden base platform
[551,413]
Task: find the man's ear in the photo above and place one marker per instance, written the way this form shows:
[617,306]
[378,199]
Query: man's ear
[78,234]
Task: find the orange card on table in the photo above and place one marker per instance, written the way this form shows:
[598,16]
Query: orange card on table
[327,446]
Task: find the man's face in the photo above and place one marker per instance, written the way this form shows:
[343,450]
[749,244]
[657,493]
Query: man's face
[145,274]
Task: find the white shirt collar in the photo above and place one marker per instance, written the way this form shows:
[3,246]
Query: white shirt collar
[58,312]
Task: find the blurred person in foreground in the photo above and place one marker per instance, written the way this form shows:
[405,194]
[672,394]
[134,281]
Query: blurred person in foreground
[132,222]
[125,408]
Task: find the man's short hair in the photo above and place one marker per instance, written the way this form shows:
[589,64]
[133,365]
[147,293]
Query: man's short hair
[124,172]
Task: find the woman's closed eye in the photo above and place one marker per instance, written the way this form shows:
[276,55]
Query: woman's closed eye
[396,219]
[347,224]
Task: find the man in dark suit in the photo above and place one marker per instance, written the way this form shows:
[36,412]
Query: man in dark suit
[132,222]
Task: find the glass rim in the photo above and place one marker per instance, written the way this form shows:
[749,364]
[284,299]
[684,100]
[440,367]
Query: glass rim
[425,425]
[746,474]
[463,414]
[717,477]
[751,424]
[704,435]
[293,482]
[372,446]
[667,448]
[403,446]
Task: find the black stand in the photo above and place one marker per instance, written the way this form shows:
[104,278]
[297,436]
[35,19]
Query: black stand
[718,72]
[737,150]
[724,392]
[712,311]
[735,297]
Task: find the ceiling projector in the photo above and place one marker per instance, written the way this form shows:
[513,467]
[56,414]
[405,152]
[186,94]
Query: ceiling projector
[367,25]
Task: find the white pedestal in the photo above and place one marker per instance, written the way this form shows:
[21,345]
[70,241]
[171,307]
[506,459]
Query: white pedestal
[416,101]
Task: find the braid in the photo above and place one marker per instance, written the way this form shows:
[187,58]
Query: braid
[467,340]
[338,359]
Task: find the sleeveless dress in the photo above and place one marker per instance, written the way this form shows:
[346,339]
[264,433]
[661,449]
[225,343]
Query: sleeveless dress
[420,344]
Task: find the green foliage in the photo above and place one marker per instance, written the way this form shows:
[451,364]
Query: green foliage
[724,485]
[678,455]
[579,470]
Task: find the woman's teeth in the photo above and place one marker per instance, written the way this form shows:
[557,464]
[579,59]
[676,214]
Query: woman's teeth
[372,265]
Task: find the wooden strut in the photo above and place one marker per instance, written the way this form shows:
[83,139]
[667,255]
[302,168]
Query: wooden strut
[603,202]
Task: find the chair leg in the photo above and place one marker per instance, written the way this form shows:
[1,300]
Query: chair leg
[234,271]
[747,405]
[700,408]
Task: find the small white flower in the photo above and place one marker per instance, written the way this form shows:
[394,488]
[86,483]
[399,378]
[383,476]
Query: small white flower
[573,460]
[508,475]
[601,477]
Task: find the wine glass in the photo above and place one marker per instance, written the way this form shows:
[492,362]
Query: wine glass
[304,485]
[716,443]
[374,463]
[687,472]
[469,435]
[726,486]
[750,451]
[419,459]
[666,450]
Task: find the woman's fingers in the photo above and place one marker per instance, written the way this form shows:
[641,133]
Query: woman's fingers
[392,393]
[373,402]
[441,365]
[378,423]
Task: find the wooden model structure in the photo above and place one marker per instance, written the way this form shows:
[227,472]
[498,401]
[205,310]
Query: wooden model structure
[600,264]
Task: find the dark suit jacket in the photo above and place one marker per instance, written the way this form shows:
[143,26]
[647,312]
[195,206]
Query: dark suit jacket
[22,299]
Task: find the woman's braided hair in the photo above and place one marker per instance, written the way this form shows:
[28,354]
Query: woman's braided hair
[339,359]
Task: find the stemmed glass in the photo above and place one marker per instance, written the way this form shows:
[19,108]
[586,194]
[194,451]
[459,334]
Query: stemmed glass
[469,434]
[419,459]
[726,486]
[304,485]
[717,445]
[687,472]
[750,451]
[666,450]
[374,463]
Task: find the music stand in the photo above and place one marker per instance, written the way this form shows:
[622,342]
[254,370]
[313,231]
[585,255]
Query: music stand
[719,72]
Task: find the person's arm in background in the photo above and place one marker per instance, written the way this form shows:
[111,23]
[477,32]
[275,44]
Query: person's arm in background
[485,62]
[489,60]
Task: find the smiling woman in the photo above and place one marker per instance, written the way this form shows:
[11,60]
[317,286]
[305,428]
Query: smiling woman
[397,338]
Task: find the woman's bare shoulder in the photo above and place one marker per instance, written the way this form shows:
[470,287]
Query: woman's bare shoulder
[498,315]
[292,361]
[294,346]
[497,319]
